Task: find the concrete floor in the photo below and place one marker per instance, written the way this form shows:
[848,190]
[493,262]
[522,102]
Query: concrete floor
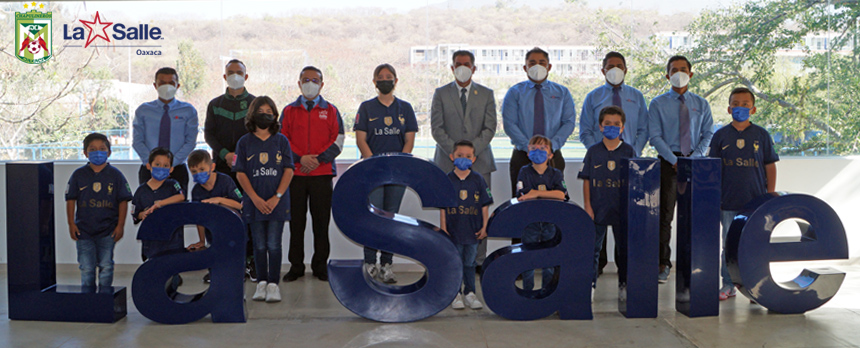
[310,316]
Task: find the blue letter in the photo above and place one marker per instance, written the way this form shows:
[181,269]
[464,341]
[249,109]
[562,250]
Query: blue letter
[640,229]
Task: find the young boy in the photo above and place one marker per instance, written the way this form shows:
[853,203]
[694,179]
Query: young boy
[749,166]
[538,180]
[101,194]
[601,190]
[155,193]
[467,223]
[210,187]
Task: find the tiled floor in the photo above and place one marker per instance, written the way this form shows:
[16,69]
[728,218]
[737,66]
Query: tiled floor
[310,316]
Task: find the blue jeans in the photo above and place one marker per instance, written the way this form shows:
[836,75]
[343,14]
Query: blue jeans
[726,217]
[267,236]
[467,254]
[538,232]
[94,253]
[388,198]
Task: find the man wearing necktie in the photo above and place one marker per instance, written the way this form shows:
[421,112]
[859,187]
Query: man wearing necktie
[168,123]
[465,110]
[680,125]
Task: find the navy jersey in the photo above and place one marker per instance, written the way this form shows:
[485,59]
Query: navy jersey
[386,126]
[145,196]
[601,169]
[224,188]
[97,197]
[264,162]
[463,221]
[744,155]
[551,179]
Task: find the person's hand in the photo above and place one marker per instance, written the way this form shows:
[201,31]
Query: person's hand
[309,162]
[272,203]
[481,234]
[675,167]
[213,200]
[117,234]
[261,205]
[73,230]
[229,158]
[590,212]
[197,246]
[531,195]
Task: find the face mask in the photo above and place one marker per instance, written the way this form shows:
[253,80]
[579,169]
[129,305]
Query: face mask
[385,86]
[740,113]
[615,76]
[201,178]
[463,73]
[680,79]
[235,81]
[264,121]
[611,132]
[160,173]
[537,156]
[462,163]
[310,90]
[166,92]
[537,72]
[97,157]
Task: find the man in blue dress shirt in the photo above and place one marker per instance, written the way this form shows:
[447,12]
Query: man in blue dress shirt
[680,124]
[165,122]
[553,115]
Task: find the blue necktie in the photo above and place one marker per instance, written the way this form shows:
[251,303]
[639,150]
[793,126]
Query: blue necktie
[310,104]
[539,119]
[164,129]
[684,124]
[616,96]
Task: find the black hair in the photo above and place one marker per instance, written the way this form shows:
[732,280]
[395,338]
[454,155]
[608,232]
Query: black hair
[463,53]
[95,136]
[612,110]
[740,90]
[197,157]
[464,143]
[384,66]
[313,68]
[160,151]
[167,71]
[674,58]
[537,50]
[614,54]
[252,109]
[244,67]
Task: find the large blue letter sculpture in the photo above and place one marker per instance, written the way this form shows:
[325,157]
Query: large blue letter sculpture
[749,251]
[375,228]
[641,222]
[225,259]
[33,290]
[569,292]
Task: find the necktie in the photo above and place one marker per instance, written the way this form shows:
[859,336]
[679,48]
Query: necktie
[310,104]
[616,96]
[463,100]
[164,129]
[539,122]
[684,124]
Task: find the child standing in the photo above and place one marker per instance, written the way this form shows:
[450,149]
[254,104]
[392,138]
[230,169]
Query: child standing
[264,167]
[467,223]
[100,193]
[155,193]
[601,190]
[748,164]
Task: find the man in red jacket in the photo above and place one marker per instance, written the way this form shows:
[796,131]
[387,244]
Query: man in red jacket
[315,130]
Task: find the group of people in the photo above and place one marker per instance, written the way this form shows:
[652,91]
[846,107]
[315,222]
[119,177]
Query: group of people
[259,156]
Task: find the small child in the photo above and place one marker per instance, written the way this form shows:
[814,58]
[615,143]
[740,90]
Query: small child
[749,166]
[210,187]
[538,180]
[101,194]
[601,190]
[264,167]
[155,193]
[467,223]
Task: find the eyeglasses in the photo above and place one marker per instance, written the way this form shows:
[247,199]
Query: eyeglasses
[306,80]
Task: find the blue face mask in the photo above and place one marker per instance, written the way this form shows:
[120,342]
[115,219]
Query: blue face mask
[97,157]
[537,156]
[611,132]
[740,113]
[201,178]
[160,173]
[462,163]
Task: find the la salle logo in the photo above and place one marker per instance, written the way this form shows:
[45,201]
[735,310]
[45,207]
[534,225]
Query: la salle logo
[33,37]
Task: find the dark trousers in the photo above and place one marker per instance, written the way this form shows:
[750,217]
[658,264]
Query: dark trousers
[222,167]
[317,189]
[180,174]
[668,193]
[520,159]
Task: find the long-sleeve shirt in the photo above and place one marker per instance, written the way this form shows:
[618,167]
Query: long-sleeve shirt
[635,111]
[147,125]
[518,113]
[664,124]
[225,124]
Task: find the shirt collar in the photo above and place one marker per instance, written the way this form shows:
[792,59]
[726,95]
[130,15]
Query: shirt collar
[238,97]
[468,87]
[610,87]
[675,94]
[304,100]
[170,105]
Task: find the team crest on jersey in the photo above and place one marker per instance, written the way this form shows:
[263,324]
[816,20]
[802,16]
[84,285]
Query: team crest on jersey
[324,114]
[278,158]
[389,120]
[541,187]
[477,196]
[33,38]
[463,195]
[402,119]
[264,157]
[610,165]
[97,186]
[740,143]
[110,188]
[755,146]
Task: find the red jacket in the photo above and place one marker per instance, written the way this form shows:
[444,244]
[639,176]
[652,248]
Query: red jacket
[315,132]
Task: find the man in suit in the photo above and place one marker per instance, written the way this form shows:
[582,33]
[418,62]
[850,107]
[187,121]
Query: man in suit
[464,110]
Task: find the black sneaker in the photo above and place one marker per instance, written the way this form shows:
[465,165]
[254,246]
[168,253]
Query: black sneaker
[251,272]
[206,278]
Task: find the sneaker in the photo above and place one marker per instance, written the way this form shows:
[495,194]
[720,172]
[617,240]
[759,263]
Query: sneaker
[622,292]
[458,302]
[727,291]
[206,278]
[472,301]
[260,294]
[273,293]
[387,274]
[372,270]
[592,294]
[663,277]
[251,271]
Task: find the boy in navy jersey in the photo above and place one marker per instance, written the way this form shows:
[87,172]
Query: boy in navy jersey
[601,189]
[539,180]
[155,193]
[100,193]
[749,166]
[467,223]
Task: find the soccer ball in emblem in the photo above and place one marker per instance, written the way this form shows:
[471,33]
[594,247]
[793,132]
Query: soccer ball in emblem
[34,47]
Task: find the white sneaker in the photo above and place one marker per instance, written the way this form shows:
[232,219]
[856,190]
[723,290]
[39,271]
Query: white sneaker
[260,294]
[472,301]
[387,275]
[622,293]
[372,270]
[273,293]
[458,302]
[592,295]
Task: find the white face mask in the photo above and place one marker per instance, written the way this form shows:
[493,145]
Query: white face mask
[310,90]
[166,92]
[615,76]
[679,79]
[537,72]
[235,81]
[463,73]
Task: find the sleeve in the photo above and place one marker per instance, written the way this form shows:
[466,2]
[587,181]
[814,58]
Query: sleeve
[411,120]
[642,132]
[239,160]
[233,191]
[190,143]
[335,136]
[707,130]
[523,184]
[559,184]
[139,134]
[488,129]
[486,195]
[716,149]
[286,149]
[655,132]
[136,208]
[72,188]
[175,188]
[511,117]
[210,131]
[286,131]
[588,123]
[437,124]
[770,155]
[123,191]
[568,120]
[585,173]
[361,119]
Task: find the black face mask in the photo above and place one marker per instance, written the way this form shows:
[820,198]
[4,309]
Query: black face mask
[385,86]
[263,121]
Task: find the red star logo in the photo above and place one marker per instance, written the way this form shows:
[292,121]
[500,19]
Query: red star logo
[95,26]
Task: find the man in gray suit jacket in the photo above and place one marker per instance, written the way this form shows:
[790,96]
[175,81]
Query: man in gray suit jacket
[464,110]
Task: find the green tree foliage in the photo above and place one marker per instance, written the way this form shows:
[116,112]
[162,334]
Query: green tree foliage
[191,68]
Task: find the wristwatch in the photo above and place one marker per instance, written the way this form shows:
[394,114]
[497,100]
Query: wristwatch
[278,194]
